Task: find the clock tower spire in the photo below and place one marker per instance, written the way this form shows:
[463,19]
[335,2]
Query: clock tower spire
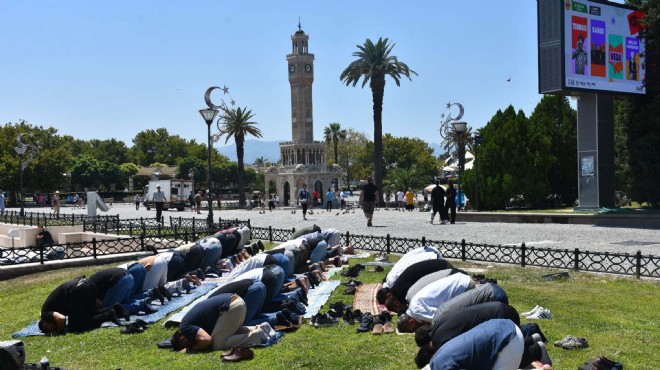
[301,77]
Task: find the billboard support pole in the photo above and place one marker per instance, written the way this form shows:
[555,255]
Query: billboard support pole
[595,140]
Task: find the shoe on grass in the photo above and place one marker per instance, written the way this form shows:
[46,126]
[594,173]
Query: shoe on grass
[325,320]
[532,311]
[542,314]
[366,323]
[575,343]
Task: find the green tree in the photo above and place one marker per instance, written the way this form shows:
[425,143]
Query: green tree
[332,134]
[405,152]
[109,175]
[356,155]
[192,165]
[85,172]
[372,65]
[237,124]
[405,178]
[552,142]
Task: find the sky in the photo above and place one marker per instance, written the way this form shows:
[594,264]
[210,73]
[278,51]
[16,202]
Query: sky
[102,70]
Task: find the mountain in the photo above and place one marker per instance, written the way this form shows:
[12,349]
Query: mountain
[254,149]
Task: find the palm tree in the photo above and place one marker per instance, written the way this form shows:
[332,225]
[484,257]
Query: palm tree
[373,63]
[260,163]
[236,123]
[333,133]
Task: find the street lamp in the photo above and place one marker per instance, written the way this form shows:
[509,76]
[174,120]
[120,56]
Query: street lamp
[20,150]
[478,140]
[209,116]
[459,129]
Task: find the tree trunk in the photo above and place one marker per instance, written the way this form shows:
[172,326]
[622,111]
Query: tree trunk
[240,151]
[378,90]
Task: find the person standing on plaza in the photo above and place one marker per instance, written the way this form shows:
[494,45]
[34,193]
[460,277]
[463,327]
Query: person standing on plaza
[303,199]
[388,198]
[315,198]
[369,198]
[2,202]
[159,200]
[56,204]
[137,201]
[328,200]
[191,199]
[437,201]
[400,202]
[342,199]
[410,200]
[451,202]
[198,201]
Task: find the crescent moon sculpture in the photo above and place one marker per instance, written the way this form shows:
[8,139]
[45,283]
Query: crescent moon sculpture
[207,97]
[446,129]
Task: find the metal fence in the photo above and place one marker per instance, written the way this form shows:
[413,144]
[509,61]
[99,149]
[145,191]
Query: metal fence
[637,265]
[94,248]
[182,230]
[50,219]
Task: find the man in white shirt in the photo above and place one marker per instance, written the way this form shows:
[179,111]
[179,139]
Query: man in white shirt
[410,258]
[423,305]
[159,200]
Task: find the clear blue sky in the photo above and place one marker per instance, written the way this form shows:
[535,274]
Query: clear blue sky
[100,70]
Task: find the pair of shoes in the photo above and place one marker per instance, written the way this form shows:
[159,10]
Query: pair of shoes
[571,342]
[382,258]
[383,324]
[353,283]
[538,313]
[261,245]
[353,271]
[377,269]
[369,223]
[601,363]
[350,290]
[293,306]
[323,320]
[313,279]
[351,316]
[132,328]
[237,354]
[366,323]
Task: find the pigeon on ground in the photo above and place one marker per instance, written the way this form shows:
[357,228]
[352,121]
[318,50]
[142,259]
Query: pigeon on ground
[337,214]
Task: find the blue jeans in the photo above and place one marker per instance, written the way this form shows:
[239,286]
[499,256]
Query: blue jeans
[319,252]
[213,252]
[285,263]
[139,274]
[122,293]
[254,301]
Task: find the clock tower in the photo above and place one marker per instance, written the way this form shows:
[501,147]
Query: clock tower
[301,77]
[302,160]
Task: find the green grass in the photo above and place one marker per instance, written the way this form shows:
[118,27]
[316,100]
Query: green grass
[619,316]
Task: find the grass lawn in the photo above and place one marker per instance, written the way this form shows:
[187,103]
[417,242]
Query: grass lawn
[619,316]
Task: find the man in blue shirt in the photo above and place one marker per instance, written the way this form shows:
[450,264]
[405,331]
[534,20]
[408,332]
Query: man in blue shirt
[303,199]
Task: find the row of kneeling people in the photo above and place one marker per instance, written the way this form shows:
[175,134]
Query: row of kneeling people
[458,323]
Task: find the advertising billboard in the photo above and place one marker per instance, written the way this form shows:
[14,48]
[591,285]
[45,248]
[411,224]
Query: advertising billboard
[602,50]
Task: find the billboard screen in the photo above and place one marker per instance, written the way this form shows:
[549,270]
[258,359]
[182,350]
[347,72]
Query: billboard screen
[602,49]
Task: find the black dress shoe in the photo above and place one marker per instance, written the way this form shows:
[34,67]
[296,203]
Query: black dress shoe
[156,295]
[149,309]
[121,311]
[132,328]
[166,293]
[143,324]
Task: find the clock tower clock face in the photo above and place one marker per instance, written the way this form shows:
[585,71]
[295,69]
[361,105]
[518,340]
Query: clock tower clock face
[308,68]
[292,68]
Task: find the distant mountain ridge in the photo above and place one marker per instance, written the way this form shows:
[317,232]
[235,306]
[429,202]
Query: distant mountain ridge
[270,150]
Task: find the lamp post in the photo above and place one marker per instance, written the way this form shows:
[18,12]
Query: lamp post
[20,150]
[459,129]
[209,116]
[478,140]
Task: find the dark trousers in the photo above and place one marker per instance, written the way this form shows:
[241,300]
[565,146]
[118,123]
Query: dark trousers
[451,207]
[159,210]
[137,205]
[304,207]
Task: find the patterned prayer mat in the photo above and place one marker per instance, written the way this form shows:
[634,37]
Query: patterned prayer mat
[365,299]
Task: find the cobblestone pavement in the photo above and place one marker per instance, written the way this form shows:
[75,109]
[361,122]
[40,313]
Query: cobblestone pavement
[415,225]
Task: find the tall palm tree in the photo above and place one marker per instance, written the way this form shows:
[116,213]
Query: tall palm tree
[333,133]
[373,63]
[260,162]
[236,122]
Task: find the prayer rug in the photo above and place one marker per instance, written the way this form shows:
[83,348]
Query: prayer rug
[163,310]
[318,296]
[358,255]
[365,299]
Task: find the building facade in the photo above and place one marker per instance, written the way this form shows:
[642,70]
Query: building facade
[302,160]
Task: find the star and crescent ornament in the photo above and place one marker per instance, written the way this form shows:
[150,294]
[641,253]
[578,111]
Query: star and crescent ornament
[446,129]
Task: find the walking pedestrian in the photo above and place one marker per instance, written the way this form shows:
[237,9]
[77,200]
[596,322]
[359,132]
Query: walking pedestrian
[303,200]
[56,204]
[437,202]
[328,200]
[137,201]
[368,198]
[450,205]
[159,200]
